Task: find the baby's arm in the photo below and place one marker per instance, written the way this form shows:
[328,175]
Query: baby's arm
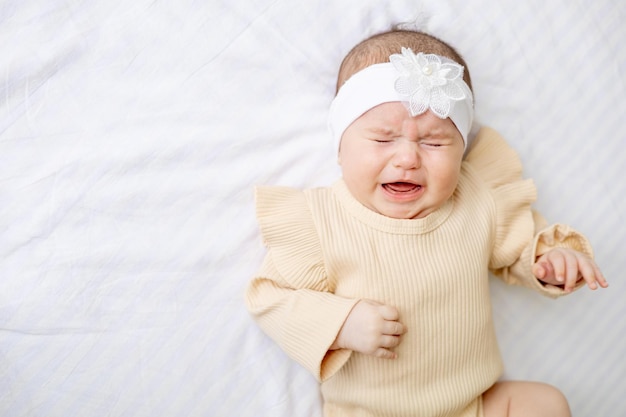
[371,328]
[303,322]
[564,267]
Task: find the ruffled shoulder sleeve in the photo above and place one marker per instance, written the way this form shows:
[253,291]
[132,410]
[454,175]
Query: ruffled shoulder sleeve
[289,233]
[498,165]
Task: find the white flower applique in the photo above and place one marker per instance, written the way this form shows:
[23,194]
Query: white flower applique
[427,82]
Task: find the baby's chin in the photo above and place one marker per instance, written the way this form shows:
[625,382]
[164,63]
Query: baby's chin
[413,209]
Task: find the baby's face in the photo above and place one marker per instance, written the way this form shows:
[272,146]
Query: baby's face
[401,166]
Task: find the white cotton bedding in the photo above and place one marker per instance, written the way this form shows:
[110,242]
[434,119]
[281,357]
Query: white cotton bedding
[132,134]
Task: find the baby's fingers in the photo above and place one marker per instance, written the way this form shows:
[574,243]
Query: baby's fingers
[559,267]
[573,271]
[592,275]
[389,341]
[393,328]
[600,278]
[385,354]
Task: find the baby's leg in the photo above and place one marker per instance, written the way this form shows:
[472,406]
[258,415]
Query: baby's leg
[524,399]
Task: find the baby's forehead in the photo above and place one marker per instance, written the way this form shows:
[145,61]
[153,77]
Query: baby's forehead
[394,119]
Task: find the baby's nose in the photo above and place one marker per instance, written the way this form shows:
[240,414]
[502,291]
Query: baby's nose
[407,156]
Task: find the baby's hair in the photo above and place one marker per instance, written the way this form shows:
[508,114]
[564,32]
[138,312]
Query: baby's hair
[378,48]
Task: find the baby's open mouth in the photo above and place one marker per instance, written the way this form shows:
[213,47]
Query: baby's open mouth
[401,187]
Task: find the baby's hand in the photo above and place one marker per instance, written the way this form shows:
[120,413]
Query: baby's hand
[371,328]
[562,266]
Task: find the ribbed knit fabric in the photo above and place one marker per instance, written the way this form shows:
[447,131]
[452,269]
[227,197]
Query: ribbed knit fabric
[326,251]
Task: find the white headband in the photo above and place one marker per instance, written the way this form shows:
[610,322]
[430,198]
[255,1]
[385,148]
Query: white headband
[422,82]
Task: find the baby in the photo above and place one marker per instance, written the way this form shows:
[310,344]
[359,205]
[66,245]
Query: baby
[378,285]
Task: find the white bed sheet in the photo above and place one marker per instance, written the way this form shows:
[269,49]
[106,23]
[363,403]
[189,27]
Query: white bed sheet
[132,134]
